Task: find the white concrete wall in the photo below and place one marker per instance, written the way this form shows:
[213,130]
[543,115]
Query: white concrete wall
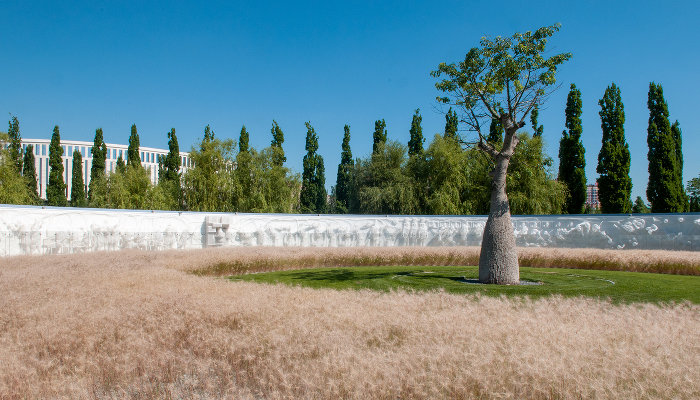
[37,230]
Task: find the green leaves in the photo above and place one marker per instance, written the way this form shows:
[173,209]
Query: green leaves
[503,72]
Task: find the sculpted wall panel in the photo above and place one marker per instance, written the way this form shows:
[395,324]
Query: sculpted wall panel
[49,230]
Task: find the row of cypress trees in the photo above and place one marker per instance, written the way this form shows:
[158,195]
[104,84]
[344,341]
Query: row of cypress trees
[665,190]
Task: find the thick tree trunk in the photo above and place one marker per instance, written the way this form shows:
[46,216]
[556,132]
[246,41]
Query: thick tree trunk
[498,262]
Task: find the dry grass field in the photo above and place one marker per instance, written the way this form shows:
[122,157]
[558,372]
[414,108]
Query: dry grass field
[141,325]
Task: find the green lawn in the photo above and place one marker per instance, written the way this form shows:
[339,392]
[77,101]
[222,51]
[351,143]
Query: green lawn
[625,287]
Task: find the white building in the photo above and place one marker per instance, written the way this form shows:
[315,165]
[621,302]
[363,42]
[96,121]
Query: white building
[149,160]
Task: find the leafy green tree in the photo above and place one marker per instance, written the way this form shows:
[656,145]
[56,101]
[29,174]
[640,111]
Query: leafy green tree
[639,207]
[313,180]
[15,145]
[694,194]
[343,181]
[278,189]
[29,171]
[209,185]
[133,157]
[572,155]
[614,183]
[531,183]
[380,184]
[451,124]
[537,130]
[663,191]
[510,73]
[277,139]
[13,186]
[77,191]
[98,167]
[415,143]
[380,134]
[452,177]
[56,189]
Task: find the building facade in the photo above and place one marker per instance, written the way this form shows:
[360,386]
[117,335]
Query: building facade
[592,201]
[149,159]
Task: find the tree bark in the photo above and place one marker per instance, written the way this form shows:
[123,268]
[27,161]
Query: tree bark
[498,262]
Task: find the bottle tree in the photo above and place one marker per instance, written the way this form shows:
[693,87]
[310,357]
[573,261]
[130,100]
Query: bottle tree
[313,190]
[29,171]
[77,190]
[537,130]
[278,158]
[511,73]
[572,155]
[56,189]
[614,183]
[99,161]
[380,135]
[342,185]
[664,191]
[451,124]
[15,146]
[133,159]
[415,143]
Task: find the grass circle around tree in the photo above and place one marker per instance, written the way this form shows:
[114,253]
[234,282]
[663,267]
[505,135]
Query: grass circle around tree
[619,287]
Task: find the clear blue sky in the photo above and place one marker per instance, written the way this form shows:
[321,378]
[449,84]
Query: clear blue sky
[84,65]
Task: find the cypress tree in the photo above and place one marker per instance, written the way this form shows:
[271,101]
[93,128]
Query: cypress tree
[380,134]
[243,140]
[121,166]
[56,189]
[133,157]
[29,171]
[451,124]
[639,207]
[495,132]
[313,190]
[663,191]
[99,155]
[415,143]
[278,158]
[172,163]
[208,134]
[77,191]
[536,130]
[342,185]
[15,145]
[694,194]
[678,139]
[572,162]
[614,183]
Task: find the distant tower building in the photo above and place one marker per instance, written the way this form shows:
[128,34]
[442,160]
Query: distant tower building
[149,160]
[592,197]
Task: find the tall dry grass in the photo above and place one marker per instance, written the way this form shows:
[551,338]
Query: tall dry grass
[138,325]
[240,260]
